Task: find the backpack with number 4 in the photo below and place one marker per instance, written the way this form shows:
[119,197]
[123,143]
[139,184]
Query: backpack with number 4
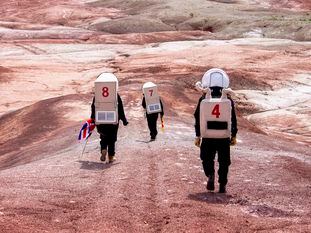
[106,99]
[215,117]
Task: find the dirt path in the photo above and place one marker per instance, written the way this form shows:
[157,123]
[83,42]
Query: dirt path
[159,187]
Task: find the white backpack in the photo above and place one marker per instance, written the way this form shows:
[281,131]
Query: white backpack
[215,116]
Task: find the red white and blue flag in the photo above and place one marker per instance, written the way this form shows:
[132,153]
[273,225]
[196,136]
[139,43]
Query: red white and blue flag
[86,130]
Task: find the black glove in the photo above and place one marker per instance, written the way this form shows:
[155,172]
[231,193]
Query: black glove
[125,123]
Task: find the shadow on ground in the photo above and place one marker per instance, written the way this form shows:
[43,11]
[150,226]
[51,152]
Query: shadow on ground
[211,197]
[90,165]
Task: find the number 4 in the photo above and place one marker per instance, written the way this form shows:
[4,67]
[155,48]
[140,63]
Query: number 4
[216,111]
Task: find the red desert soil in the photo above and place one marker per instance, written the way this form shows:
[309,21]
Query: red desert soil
[292,4]
[50,56]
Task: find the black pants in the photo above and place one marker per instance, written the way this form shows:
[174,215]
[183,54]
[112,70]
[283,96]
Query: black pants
[111,145]
[108,137]
[209,148]
[152,124]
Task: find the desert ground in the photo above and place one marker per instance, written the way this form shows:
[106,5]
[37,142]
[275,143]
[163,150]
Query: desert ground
[51,53]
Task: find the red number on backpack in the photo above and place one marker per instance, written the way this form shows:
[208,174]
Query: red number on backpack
[151,92]
[105,91]
[216,111]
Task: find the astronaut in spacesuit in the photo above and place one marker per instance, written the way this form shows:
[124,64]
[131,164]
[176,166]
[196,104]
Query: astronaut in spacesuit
[153,105]
[215,126]
[107,111]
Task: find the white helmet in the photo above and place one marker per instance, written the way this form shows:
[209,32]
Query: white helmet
[215,78]
[108,77]
[149,84]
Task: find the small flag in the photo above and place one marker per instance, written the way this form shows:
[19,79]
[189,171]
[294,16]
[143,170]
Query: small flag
[86,130]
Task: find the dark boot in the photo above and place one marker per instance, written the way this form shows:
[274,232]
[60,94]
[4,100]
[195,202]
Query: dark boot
[111,158]
[211,183]
[103,156]
[222,188]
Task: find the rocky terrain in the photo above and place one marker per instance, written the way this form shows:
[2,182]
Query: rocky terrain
[51,53]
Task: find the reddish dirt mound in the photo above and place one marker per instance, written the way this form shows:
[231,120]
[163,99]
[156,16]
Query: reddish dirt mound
[292,4]
[26,130]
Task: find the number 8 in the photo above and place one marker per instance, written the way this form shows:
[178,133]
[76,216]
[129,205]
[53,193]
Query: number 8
[105,91]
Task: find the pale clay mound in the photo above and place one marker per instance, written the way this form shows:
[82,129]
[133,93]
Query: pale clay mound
[228,19]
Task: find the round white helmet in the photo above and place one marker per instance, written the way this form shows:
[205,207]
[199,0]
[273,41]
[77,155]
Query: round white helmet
[149,84]
[107,77]
[215,78]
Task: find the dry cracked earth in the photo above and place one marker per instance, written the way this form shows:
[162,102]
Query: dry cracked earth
[51,53]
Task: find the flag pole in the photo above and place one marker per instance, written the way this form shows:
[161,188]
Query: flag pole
[84,147]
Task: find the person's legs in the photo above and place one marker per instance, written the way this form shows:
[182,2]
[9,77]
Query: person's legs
[103,147]
[224,163]
[152,125]
[111,148]
[207,155]
[111,151]
[112,142]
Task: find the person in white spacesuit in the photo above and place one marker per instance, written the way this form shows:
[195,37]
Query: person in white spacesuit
[215,126]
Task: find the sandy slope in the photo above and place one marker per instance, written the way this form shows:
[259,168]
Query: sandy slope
[158,187]
[49,60]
